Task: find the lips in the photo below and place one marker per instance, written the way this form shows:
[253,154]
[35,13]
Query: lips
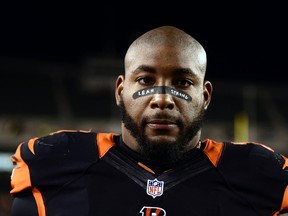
[161,124]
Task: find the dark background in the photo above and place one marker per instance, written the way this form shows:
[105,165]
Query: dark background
[244,40]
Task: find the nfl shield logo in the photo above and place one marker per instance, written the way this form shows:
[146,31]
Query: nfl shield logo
[154,187]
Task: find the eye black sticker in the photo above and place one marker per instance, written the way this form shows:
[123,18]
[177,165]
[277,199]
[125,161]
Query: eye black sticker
[162,90]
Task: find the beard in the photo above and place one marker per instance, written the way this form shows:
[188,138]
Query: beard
[160,152]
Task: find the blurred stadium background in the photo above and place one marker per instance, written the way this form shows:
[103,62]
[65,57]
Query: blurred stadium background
[58,69]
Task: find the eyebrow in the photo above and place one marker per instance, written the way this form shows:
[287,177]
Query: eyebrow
[187,71]
[177,71]
[145,68]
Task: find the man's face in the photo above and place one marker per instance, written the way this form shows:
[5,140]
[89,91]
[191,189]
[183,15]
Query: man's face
[163,124]
[161,151]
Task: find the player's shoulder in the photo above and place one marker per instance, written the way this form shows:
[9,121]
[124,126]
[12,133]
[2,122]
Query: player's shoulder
[68,143]
[248,147]
[255,150]
[61,155]
[64,137]
[251,152]
[62,142]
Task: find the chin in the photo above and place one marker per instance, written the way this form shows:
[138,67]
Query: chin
[161,139]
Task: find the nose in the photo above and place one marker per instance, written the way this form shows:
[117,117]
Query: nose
[162,101]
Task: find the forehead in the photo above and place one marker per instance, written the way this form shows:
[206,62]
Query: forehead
[164,58]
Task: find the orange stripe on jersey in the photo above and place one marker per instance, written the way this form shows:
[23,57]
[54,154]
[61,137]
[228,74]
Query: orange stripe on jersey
[284,204]
[39,201]
[285,199]
[286,162]
[213,151]
[276,214]
[20,177]
[148,212]
[158,211]
[31,144]
[105,142]
[60,131]
[145,167]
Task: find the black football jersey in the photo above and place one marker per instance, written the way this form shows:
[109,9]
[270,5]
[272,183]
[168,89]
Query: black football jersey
[82,173]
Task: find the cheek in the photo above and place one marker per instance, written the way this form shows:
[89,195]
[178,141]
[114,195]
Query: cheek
[187,113]
[135,107]
[190,110]
[127,98]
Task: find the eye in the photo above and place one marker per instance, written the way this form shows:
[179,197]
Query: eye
[183,83]
[145,80]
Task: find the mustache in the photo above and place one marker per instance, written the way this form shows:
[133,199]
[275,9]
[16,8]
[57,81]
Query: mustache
[162,115]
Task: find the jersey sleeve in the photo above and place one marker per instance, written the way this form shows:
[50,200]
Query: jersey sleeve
[53,160]
[260,170]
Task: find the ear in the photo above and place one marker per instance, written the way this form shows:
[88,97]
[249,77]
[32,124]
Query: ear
[119,85]
[207,93]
